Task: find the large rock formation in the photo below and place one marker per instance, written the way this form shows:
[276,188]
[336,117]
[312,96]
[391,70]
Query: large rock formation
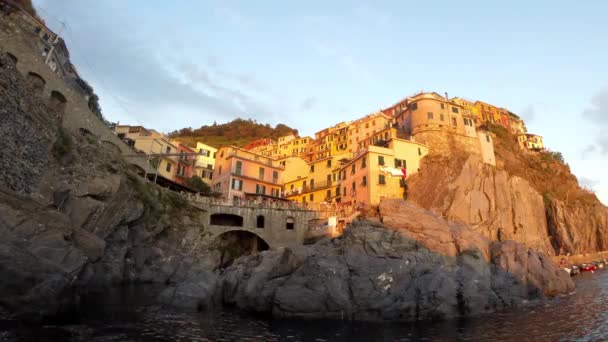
[414,265]
[535,202]
[72,215]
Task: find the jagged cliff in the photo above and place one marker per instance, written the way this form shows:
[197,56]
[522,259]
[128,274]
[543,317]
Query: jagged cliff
[529,197]
[73,217]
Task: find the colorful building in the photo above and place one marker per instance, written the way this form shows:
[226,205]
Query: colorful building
[240,173]
[205,162]
[163,155]
[366,127]
[517,125]
[377,173]
[531,142]
[185,162]
[431,111]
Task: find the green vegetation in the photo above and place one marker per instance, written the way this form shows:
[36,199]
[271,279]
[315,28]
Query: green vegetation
[196,183]
[549,155]
[63,144]
[238,132]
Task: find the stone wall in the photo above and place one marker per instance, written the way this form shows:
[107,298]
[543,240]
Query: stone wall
[274,232]
[444,142]
[26,131]
[76,114]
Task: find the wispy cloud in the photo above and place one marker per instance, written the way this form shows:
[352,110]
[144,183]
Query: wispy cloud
[347,61]
[597,113]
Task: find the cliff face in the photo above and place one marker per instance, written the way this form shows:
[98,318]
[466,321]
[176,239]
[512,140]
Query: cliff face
[72,216]
[528,197]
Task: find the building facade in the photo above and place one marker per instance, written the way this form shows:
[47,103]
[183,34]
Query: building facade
[531,142]
[378,173]
[241,174]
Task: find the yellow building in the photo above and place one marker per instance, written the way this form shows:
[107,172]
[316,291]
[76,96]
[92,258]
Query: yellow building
[205,162]
[366,127]
[163,154]
[531,142]
[468,108]
[376,173]
[295,168]
[517,125]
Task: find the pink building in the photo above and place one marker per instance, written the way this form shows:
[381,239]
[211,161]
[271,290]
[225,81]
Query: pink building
[244,174]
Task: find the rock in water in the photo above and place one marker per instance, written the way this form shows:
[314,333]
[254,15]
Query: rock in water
[415,265]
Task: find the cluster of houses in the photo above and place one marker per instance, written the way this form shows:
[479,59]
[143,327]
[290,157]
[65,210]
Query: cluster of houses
[357,162]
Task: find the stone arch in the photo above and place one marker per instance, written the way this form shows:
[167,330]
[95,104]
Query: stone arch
[36,82]
[57,102]
[228,220]
[137,169]
[115,148]
[238,242]
[13,58]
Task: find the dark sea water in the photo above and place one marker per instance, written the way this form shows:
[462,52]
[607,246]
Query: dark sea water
[128,314]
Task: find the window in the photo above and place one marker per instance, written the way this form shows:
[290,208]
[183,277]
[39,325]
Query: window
[312,183]
[210,175]
[414,106]
[328,194]
[487,138]
[237,184]
[168,150]
[312,168]
[442,106]
[367,125]
[214,153]
[329,163]
[239,166]
[275,177]
[312,197]
[304,184]
[363,163]
[381,179]
[337,191]
[344,191]
[364,183]
[454,122]
[399,163]
[275,192]
[441,117]
[260,221]
[220,170]
[290,223]
[168,167]
[352,170]
[261,173]
[374,123]
[430,115]
[354,187]
[380,160]
[260,189]
[419,151]
[328,179]
[454,110]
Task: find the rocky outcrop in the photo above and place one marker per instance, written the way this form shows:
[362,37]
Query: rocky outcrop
[73,217]
[502,206]
[414,265]
[578,228]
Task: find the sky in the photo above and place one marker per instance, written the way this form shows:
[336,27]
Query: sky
[311,64]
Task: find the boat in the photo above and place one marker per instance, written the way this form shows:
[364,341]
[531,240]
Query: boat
[574,270]
[588,268]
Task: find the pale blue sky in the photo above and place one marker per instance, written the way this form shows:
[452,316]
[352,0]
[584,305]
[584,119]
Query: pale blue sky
[168,65]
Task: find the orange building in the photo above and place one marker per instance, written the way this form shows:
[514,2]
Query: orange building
[362,129]
[431,111]
[241,174]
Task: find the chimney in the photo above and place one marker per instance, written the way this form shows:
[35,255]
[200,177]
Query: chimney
[446,96]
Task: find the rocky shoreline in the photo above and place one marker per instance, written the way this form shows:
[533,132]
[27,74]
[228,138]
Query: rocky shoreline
[74,218]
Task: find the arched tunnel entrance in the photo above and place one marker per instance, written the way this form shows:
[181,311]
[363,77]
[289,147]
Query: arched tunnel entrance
[236,243]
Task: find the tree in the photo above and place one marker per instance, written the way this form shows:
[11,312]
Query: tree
[196,183]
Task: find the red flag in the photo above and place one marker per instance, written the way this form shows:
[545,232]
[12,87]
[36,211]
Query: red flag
[404,173]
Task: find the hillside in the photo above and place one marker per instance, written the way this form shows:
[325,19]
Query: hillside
[528,197]
[238,132]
